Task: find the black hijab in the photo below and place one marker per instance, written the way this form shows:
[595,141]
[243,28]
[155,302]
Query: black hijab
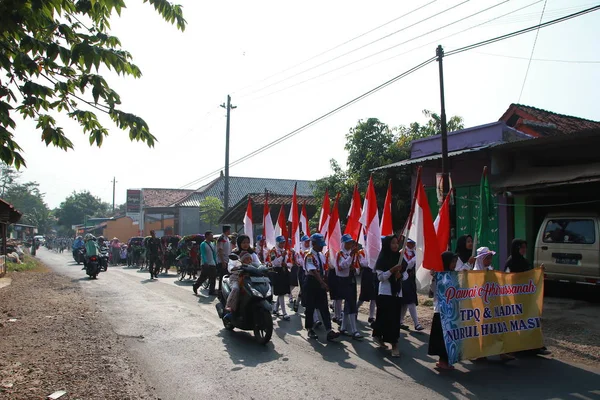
[388,259]
[516,262]
[461,248]
[239,241]
[447,258]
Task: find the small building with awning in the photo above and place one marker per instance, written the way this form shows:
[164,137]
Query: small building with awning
[8,215]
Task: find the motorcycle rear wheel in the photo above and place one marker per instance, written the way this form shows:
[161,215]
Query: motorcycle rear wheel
[263,329]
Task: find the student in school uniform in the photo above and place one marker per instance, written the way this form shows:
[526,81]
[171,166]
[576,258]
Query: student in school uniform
[409,287]
[348,261]
[279,259]
[464,250]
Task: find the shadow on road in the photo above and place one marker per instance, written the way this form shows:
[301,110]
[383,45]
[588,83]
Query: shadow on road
[243,349]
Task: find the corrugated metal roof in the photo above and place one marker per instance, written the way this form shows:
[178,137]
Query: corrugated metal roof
[431,157]
[241,186]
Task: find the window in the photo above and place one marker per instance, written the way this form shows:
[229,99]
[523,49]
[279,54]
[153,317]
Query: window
[578,231]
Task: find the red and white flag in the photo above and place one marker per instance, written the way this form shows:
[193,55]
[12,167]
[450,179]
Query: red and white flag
[293,218]
[353,225]
[334,242]
[324,218]
[268,230]
[421,230]
[386,215]
[248,227]
[370,221]
[304,220]
[281,225]
[442,224]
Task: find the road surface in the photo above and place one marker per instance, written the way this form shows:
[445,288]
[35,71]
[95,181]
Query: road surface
[179,342]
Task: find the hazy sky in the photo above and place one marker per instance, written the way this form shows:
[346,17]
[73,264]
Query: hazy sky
[236,47]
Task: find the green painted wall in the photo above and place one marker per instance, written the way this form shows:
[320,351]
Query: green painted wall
[524,224]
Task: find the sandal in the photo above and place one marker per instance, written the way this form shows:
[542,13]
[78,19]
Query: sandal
[380,342]
[444,366]
[419,328]
[396,353]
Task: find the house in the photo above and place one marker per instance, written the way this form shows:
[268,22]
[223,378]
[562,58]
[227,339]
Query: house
[537,161]
[188,208]
[8,215]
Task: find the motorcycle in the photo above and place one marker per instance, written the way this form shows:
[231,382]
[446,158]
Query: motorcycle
[103,258]
[78,255]
[253,312]
[92,267]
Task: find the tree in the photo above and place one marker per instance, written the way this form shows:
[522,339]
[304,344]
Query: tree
[371,144]
[8,178]
[51,52]
[78,206]
[27,198]
[211,209]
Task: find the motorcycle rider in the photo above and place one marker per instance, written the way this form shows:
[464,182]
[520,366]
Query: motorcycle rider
[102,246]
[91,248]
[77,244]
[153,252]
[247,257]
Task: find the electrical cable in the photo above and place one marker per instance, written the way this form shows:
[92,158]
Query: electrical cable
[532,51]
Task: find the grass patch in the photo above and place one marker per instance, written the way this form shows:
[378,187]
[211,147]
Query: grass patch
[428,303]
[29,264]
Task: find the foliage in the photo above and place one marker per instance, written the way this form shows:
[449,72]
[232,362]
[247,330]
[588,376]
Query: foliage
[371,144]
[29,264]
[79,205]
[25,197]
[51,53]
[211,209]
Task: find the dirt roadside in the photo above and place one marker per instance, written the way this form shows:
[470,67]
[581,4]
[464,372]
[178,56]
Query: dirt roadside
[52,338]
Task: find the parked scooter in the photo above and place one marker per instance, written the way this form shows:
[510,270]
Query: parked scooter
[253,312]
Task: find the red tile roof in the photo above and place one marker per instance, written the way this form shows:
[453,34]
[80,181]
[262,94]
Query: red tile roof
[540,122]
[163,197]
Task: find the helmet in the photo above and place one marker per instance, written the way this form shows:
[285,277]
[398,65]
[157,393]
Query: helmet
[318,239]
[280,239]
[78,238]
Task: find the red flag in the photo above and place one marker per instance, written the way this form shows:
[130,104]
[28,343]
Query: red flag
[334,242]
[248,228]
[386,216]
[423,233]
[281,226]
[293,218]
[304,220]
[324,219]
[370,220]
[268,230]
[353,225]
[442,224]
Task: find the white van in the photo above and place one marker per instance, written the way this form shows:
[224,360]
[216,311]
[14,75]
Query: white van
[568,244]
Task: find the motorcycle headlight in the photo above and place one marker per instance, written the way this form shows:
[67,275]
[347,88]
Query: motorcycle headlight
[256,292]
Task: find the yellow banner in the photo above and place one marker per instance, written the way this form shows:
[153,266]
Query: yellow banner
[485,313]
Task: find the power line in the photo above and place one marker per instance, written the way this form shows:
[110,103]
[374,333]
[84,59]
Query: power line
[337,46]
[381,51]
[541,59]
[358,48]
[318,119]
[532,51]
[393,80]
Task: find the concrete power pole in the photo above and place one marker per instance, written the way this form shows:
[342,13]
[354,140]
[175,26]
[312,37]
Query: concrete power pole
[228,107]
[114,182]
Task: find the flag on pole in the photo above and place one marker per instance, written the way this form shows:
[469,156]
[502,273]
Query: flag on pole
[324,218]
[334,242]
[268,230]
[281,225]
[370,220]
[484,214]
[248,228]
[293,218]
[353,225]
[386,215]
[304,220]
[427,249]
[442,224]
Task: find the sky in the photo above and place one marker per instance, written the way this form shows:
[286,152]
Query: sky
[282,66]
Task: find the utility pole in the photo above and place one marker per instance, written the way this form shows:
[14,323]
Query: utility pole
[114,182]
[228,107]
[439,52]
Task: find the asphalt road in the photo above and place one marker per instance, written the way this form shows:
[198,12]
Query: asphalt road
[179,342]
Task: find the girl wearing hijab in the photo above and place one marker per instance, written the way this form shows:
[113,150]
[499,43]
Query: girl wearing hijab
[390,273]
[464,251]
[516,262]
[247,256]
[437,347]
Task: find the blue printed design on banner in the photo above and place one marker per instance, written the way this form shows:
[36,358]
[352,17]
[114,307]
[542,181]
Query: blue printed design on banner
[449,313]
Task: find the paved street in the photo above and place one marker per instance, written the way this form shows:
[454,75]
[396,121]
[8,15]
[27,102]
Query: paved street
[179,341]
